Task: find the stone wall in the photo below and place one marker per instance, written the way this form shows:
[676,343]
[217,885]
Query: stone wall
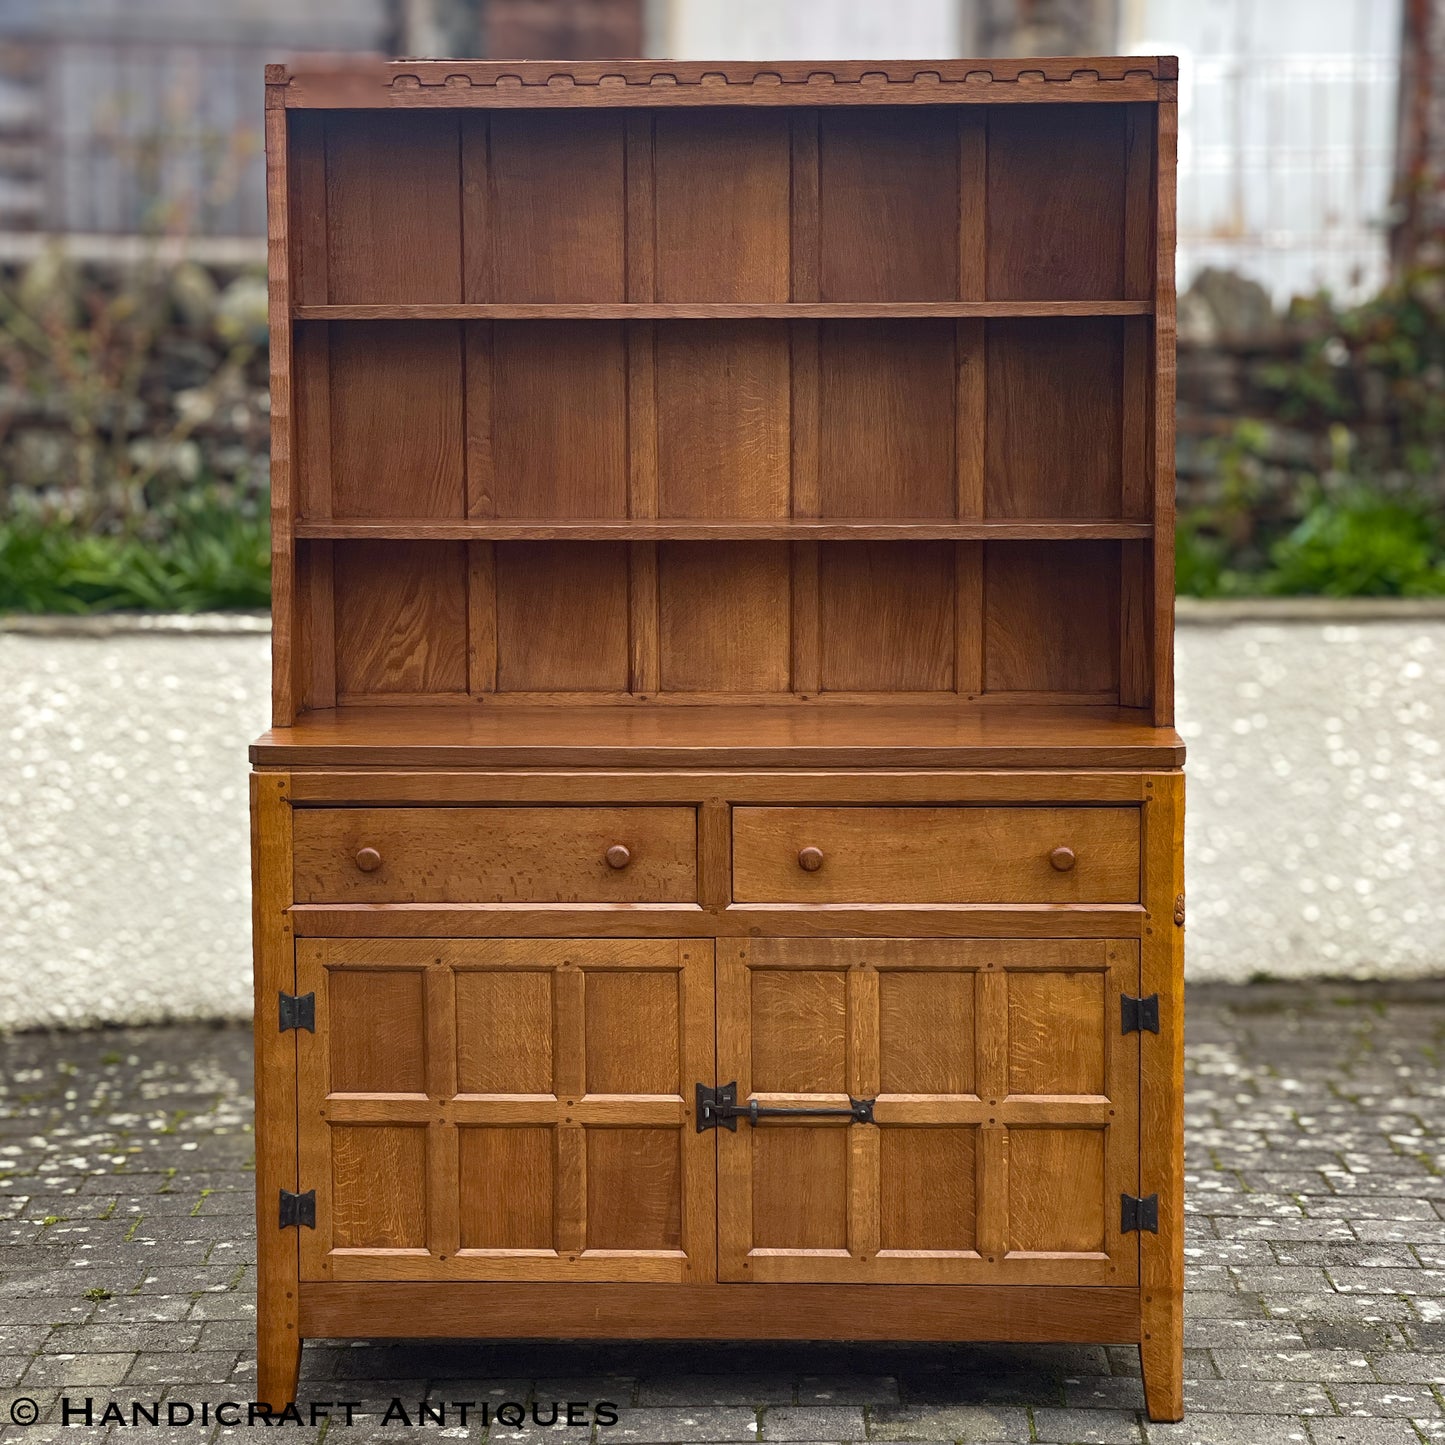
[123,386]
[1254,426]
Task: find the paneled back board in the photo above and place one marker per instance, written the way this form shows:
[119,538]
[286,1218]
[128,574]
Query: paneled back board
[723,536]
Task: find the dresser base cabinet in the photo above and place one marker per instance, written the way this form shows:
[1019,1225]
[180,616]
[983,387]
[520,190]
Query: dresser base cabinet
[718,849]
[501,1136]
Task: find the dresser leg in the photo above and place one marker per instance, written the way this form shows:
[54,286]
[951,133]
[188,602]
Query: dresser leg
[1161,1357]
[278,1361]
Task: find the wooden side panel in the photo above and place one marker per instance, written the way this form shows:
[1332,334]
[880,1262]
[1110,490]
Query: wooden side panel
[557,393]
[551,224]
[1051,618]
[1016,1150]
[723,412]
[1056,203]
[722,221]
[562,610]
[1167,142]
[1055,409]
[396,436]
[586,1121]
[401,619]
[393,207]
[724,617]
[886,427]
[280,253]
[886,617]
[888,205]
[278,1336]
[1161,1092]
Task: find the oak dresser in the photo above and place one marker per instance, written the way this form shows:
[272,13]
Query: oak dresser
[718,861]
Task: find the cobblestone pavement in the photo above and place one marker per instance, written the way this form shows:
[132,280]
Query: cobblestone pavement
[1316,1309]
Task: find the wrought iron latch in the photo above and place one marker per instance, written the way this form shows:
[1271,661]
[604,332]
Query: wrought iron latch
[719,1109]
[1138,1014]
[297,1011]
[1136,1214]
[298,1209]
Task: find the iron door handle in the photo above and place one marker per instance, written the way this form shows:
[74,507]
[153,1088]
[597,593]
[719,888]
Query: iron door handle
[719,1109]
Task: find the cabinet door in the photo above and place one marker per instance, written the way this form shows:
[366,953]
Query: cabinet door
[506,1109]
[1006,1110]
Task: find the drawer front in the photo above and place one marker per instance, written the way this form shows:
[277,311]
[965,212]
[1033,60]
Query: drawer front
[936,855]
[495,855]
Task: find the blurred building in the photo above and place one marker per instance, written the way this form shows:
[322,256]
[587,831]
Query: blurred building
[121,118]
[128,117]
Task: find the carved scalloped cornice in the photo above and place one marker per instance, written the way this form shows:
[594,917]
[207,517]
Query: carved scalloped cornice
[788,83]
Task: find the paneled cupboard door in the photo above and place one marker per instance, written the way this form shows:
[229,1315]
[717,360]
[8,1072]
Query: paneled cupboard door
[506,1109]
[1005,1101]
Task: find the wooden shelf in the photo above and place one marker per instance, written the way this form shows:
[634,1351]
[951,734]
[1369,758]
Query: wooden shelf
[745,529]
[825,735]
[716,311]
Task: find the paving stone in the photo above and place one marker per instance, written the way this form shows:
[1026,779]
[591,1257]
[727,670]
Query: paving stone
[969,1423]
[708,1424]
[1412,1367]
[1226,1429]
[1350,1335]
[1322,1365]
[1335,1254]
[1087,1427]
[1229,1334]
[1223,1304]
[209,1367]
[164,1336]
[1257,1397]
[1406,1402]
[1363,1432]
[1396,1281]
[813,1422]
[1369,1308]
[66,1370]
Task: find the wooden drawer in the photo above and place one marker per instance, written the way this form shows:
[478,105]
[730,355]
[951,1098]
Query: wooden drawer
[495,855]
[936,855]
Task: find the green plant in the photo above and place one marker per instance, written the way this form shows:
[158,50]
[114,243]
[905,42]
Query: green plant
[206,558]
[1352,542]
[1362,544]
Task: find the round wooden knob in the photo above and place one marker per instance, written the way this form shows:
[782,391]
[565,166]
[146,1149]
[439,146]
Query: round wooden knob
[1063,859]
[618,856]
[810,859]
[368,860]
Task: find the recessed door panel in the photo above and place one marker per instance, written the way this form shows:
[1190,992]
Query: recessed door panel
[1004,1123]
[508,1109]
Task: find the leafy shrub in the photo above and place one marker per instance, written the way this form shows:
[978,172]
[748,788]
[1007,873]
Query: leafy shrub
[1353,542]
[1363,545]
[207,558]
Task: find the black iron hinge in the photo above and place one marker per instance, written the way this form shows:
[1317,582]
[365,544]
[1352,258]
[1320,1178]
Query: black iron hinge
[298,1209]
[298,1011]
[1136,1214]
[1138,1014]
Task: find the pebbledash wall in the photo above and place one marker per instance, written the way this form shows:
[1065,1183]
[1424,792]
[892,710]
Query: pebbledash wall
[1316,844]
